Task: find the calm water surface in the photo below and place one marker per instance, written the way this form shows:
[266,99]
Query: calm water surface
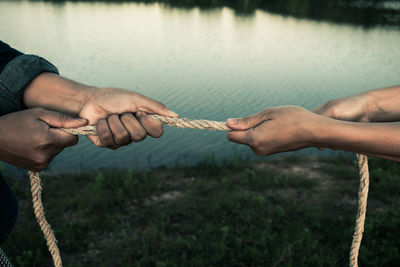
[202,64]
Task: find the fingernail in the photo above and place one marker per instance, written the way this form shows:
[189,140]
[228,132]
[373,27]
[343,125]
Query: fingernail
[81,120]
[232,121]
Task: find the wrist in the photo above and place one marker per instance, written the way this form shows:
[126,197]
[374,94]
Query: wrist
[322,129]
[56,93]
[372,107]
[383,104]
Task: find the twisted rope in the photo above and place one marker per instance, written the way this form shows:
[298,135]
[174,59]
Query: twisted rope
[173,122]
[194,124]
[362,208]
[36,189]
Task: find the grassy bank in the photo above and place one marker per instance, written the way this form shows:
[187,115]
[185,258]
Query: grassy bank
[290,211]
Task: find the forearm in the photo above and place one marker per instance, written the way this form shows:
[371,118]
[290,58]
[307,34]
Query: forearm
[54,92]
[376,139]
[384,104]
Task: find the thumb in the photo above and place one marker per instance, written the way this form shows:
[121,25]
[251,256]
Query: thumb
[243,123]
[149,105]
[61,120]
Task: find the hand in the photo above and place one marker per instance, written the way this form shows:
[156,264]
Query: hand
[121,117]
[29,141]
[353,108]
[275,130]
[110,109]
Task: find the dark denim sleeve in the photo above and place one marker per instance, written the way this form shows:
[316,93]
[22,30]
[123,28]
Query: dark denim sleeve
[8,210]
[7,54]
[16,75]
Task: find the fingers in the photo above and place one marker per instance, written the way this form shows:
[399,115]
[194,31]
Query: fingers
[62,139]
[152,127]
[117,131]
[244,123]
[95,139]
[246,138]
[56,120]
[61,120]
[240,137]
[152,106]
[105,135]
[136,131]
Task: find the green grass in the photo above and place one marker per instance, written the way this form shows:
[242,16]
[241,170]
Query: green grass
[293,211]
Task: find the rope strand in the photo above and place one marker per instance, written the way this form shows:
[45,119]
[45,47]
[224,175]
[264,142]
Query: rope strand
[36,189]
[362,209]
[194,124]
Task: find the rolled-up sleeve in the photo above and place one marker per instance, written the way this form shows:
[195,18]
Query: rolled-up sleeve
[16,75]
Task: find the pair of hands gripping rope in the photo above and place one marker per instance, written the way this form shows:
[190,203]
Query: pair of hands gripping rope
[121,117]
[30,139]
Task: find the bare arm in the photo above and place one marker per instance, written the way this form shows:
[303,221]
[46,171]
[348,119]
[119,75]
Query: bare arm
[384,104]
[377,105]
[283,129]
[54,92]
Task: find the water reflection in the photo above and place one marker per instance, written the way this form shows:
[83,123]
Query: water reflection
[212,65]
[366,13]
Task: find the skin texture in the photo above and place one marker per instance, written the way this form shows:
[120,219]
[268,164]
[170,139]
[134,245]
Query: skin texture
[343,124]
[273,130]
[119,115]
[379,105]
[353,108]
[29,138]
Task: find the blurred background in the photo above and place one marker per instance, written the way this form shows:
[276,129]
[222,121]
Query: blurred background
[208,59]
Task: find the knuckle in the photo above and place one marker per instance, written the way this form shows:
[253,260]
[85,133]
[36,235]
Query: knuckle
[230,137]
[121,136]
[44,142]
[139,136]
[331,112]
[113,118]
[41,159]
[126,116]
[104,133]
[254,143]
[158,133]
[39,110]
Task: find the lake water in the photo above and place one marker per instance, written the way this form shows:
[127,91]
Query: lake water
[209,64]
